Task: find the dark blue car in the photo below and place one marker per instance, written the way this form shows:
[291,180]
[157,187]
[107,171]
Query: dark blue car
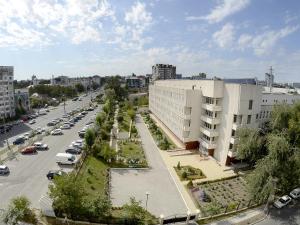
[18,141]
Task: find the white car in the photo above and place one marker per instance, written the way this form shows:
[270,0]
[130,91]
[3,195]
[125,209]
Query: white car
[32,122]
[56,132]
[40,130]
[295,193]
[65,126]
[282,201]
[77,144]
[40,146]
[65,116]
[26,136]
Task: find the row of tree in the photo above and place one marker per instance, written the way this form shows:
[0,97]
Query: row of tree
[274,152]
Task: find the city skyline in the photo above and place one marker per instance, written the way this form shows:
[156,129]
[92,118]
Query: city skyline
[228,38]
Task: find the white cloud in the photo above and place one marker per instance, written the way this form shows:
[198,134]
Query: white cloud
[263,43]
[290,17]
[130,35]
[77,20]
[221,11]
[225,36]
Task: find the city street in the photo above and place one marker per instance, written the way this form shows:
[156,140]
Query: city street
[28,172]
[289,215]
[41,121]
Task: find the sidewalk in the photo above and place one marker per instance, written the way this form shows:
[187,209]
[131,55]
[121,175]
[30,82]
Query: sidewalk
[247,217]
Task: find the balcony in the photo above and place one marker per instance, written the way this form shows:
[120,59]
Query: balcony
[209,132]
[186,128]
[231,153]
[210,120]
[212,107]
[207,144]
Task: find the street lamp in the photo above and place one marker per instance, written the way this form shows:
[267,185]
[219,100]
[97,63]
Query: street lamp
[147,197]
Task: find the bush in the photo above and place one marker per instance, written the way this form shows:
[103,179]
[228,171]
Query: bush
[184,175]
[120,118]
[190,184]
[178,165]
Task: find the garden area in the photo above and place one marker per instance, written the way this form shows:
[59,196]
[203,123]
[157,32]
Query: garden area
[221,196]
[132,153]
[127,114]
[188,172]
[161,139]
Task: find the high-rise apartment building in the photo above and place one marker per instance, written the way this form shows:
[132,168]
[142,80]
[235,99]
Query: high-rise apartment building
[7,102]
[163,72]
[205,114]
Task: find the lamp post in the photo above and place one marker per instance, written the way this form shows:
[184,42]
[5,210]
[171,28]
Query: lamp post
[147,197]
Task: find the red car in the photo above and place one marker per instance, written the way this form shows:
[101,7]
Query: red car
[29,150]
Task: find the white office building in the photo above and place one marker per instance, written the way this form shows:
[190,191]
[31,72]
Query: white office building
[7,102]
[163,72]
[205,114]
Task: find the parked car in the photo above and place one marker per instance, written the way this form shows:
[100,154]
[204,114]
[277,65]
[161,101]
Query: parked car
[19,140]
[65,127]
[29,150]
[81,133]
[295,193]
[69,123]
[26,136]
[89,122]
[73,151]
[56,132]
[77,144]
[51,123]
[4,170]
[65,158]
[282,201]
[40,146]
[54,173]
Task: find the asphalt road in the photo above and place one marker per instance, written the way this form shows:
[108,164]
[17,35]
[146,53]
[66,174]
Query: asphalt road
[289,215]
[28,172]
[42,120]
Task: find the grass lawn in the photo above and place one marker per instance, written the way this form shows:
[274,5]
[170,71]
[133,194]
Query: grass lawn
[134,152]
[191,173]
[94,175]
[124,126]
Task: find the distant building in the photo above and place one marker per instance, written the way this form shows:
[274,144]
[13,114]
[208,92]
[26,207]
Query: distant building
[7,102]
[87,82]
[269,78]
[34,80]
[133,81]
[178,76]
[163,72]
[295,85]
[22,99]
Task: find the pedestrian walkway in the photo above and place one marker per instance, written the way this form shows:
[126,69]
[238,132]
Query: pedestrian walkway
[164,197]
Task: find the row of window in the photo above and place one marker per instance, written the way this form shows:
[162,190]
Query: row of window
[239,118]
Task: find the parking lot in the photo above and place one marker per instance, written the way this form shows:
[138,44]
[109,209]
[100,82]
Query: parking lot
[28,172]
[164,197]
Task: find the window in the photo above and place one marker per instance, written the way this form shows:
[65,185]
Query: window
[234,118]
[249,119]
[256,116]
[250,104]
[232,133]
[230,146]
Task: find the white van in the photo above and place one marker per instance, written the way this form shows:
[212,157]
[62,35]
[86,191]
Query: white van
[43,112]
[65,158]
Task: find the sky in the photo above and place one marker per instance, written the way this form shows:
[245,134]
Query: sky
[223,38]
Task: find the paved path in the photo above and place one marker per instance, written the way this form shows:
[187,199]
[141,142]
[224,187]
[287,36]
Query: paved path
[164,196]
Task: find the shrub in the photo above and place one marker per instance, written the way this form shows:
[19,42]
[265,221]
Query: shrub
[190,184]
[178,165]
[184,175]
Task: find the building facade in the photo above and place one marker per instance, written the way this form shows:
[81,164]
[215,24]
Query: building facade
[205,114]
[7,102]
[163,72]
[87,82]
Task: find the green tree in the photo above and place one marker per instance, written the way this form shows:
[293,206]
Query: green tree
[134,212]
[89,138]
[250,145]
[68,195]
[212,208]
[79,87]
[101,207]
[131,113]
[100,118]
[19,211]
[107,153]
